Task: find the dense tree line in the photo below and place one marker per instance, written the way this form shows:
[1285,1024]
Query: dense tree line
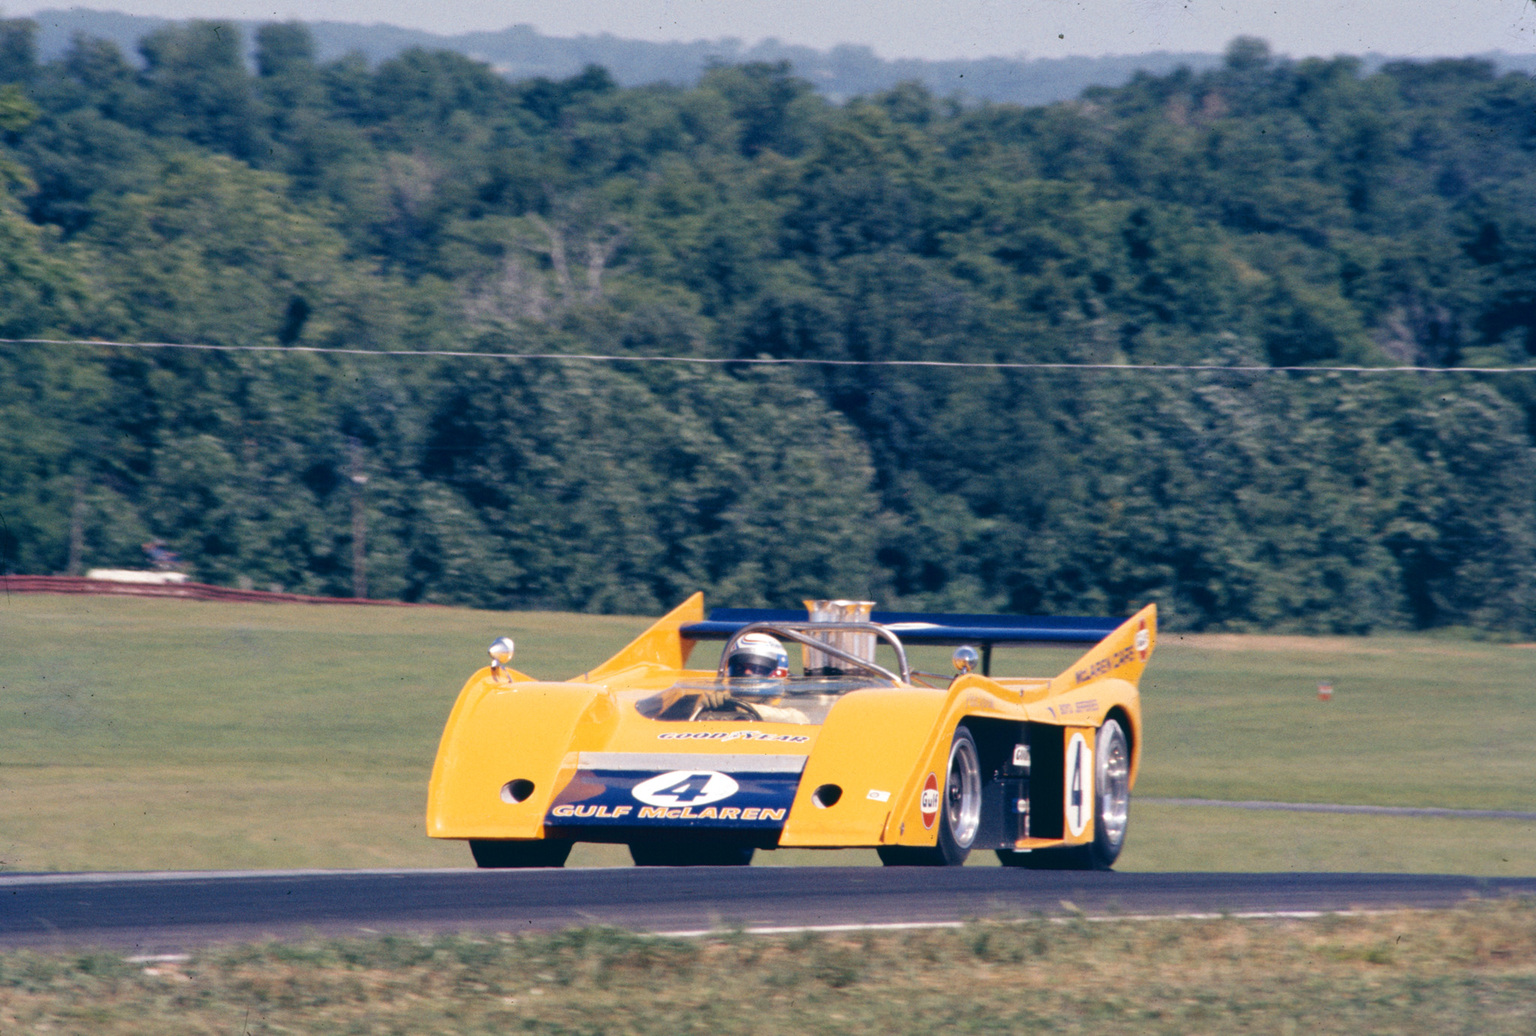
[1264,214]
[522,52]
[842,72]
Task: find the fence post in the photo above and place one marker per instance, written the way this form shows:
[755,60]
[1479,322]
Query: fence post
[359,522]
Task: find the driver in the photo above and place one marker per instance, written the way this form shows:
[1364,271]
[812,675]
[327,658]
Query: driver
[757,673]
[758,661]
[758,654]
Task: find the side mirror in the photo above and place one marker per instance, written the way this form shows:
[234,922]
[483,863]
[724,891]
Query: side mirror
[965,659]
[501,651]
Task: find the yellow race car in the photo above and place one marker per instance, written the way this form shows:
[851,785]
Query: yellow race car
[692,766]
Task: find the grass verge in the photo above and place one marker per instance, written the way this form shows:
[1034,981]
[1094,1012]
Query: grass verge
[1470,970]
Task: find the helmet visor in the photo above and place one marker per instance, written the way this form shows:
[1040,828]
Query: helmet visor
[751,665]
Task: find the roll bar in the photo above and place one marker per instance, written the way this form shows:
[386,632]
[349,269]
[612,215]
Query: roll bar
[802,633]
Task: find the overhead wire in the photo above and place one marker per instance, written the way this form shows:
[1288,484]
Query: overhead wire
[776,361]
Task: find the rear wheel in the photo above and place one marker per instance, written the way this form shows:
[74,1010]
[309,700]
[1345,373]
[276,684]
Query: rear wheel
[959,812]
[670,854]
[497,853]
[1112,807]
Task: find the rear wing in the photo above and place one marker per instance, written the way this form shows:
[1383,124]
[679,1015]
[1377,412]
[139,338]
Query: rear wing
[931,628]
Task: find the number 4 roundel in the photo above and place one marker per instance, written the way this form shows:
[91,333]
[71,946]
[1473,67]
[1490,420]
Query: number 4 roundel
[1079,784]
[685,788]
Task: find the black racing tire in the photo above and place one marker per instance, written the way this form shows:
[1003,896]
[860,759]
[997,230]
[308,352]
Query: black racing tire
[671,854]
[959,812]
[500,853]
[1112,804]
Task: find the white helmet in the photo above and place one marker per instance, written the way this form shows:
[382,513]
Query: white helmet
[757,654]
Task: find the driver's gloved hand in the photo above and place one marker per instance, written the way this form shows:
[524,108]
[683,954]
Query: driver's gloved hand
[713,698]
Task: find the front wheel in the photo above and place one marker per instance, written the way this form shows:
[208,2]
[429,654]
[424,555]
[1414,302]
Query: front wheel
[959,812]
[499,853]
[1112,807]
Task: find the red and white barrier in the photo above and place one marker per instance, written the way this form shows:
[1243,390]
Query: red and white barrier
[190,591]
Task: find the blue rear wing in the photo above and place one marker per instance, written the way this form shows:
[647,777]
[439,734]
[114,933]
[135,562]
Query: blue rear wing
[926,628]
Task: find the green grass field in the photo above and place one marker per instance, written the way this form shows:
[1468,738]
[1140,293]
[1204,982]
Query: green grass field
[161,734]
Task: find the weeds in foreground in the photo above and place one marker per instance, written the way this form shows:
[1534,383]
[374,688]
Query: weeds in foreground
[1471,969]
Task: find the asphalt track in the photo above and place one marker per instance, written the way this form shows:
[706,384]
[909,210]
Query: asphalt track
[169,913]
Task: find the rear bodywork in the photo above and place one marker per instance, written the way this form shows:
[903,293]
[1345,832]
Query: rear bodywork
[611,756]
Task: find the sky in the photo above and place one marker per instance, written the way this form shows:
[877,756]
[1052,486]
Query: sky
[935,28]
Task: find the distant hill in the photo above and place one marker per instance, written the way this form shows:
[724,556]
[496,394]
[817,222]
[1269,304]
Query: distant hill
[522,52]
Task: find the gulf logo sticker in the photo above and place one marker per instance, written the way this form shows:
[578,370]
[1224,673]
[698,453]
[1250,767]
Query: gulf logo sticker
[929,803]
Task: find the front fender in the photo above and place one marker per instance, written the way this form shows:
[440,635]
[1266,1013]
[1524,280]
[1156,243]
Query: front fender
[504,732]
[869,747]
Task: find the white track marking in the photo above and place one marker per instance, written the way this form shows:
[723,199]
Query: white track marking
[1329,807]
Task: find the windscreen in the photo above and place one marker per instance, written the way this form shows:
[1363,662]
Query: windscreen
[797,700]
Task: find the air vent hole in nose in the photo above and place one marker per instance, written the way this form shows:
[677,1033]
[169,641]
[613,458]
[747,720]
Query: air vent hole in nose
[516,791]
[826,795]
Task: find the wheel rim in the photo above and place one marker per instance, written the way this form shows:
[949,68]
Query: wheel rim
[963,791]
[1114,782]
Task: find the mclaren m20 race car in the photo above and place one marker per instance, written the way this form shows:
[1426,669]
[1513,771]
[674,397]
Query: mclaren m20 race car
[706,765]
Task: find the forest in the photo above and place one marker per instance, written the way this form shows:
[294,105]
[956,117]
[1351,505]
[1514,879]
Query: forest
[380,249]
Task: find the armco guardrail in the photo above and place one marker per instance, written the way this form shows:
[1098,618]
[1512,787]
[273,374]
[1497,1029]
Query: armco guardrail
[188,591]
